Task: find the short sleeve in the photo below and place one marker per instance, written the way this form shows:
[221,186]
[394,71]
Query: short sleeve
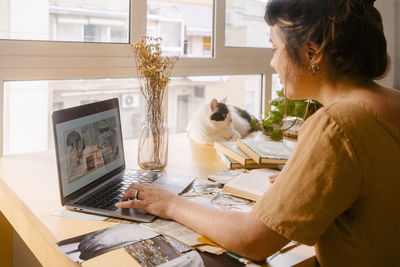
[321,180]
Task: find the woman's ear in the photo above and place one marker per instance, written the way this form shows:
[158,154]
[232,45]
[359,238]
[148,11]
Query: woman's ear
[313,53]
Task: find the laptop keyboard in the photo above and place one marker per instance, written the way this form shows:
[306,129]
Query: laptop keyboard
[111,193]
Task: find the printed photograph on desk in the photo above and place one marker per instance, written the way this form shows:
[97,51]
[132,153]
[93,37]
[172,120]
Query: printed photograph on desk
[152,252]
[210,194]
[200,188]
[231,203]
[87,246]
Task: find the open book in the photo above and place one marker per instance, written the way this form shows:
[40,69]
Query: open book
[250,185]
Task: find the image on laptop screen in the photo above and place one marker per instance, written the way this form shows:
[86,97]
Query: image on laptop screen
[88,148]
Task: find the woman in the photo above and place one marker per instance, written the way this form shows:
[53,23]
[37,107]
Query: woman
[340,189]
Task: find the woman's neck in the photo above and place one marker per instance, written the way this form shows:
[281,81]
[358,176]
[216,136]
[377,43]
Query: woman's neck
[344,88]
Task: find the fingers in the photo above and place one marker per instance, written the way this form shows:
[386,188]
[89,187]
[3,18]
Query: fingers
[128,204]
[132,196]
[272,178]
[130,192]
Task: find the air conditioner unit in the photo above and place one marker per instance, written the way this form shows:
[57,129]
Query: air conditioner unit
[130,100]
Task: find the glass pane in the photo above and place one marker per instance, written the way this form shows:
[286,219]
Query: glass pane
[185,26]
[245,25]
[276,86]
[188,95]
[65,20]
[32,131]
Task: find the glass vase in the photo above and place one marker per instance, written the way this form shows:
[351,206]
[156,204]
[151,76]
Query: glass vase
[153,138]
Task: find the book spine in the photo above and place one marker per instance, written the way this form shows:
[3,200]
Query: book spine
[250,152]
[224,158]
[274,161]
[229,153]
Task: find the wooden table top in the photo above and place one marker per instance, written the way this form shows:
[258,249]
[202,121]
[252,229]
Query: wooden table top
[29,194]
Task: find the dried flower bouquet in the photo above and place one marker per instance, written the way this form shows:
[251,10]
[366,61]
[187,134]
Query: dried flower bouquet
[153,73]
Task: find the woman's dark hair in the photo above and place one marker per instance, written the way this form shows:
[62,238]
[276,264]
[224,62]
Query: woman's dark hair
[349,32]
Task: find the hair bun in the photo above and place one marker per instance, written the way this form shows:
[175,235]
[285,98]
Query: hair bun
[368,2]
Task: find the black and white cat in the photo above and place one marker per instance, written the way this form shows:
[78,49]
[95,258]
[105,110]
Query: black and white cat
[218,121]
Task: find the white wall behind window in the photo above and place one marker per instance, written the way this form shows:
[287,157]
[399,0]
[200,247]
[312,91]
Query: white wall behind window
[28,120]
[388,11]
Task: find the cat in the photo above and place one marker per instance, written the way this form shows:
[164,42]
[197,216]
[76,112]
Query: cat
[218,121]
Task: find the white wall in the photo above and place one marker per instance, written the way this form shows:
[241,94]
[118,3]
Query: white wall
[388,11]
[396,57]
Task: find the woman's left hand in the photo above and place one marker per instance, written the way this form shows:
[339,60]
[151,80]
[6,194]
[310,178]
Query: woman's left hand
[273,178]
[150,198]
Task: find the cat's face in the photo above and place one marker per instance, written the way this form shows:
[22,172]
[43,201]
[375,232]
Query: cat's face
[220,113]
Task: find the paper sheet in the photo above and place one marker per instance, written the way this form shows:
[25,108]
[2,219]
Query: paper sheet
[175,230]
[79,215]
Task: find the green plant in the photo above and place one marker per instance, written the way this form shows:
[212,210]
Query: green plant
[282,107]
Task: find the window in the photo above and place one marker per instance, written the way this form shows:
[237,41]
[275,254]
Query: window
[276,86]
[65,20]
[29,104]
[96,62]
[245,26]
[186,26]
[189,94]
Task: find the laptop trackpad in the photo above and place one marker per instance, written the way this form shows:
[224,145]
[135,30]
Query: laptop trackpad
[137,214]
[174,183]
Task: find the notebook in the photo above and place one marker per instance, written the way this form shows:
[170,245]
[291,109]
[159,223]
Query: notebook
[91,164]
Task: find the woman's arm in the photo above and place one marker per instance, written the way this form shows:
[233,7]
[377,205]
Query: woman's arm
[239,232]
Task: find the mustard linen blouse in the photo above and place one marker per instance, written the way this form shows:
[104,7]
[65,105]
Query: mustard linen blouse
[340,190]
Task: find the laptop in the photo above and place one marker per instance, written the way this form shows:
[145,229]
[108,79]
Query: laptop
[91,164]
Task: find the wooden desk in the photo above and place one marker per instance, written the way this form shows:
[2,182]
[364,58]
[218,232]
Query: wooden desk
[29,194]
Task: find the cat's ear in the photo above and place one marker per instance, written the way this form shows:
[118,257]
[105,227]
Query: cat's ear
[214,105]
[223,100]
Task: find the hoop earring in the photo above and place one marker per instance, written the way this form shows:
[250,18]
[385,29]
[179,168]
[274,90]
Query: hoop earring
[313,69]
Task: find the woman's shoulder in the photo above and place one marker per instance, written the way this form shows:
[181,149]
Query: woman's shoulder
[348,112]
[354,118]
[344,113]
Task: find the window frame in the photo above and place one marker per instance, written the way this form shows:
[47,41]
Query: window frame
[51,60]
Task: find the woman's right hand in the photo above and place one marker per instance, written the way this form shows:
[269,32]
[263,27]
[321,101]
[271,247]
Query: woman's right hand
[150,198]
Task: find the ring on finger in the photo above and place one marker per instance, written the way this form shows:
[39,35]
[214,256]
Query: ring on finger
[136,195]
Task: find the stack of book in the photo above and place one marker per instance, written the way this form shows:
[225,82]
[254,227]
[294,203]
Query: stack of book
[253,154]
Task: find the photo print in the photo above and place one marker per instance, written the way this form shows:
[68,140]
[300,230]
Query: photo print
[152,252]
[87,246]
[148,248]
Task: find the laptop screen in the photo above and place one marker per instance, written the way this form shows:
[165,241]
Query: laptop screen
[88,147]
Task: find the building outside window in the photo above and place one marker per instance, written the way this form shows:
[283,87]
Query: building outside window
[73,52]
